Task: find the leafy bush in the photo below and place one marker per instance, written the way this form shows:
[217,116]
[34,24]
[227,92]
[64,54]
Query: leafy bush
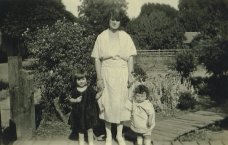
[213,53]
[186,101]
[59,49]
[200,85]
[3,85]
[217,88]
[166,90]
[185,63]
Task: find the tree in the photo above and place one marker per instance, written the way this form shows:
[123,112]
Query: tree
[21,15]
[168,10]
[95,14]
[185,63]
[202,15]
[155,29]
[211,45]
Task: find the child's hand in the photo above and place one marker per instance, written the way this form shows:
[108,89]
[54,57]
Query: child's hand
[149,122]
[72,100]
[79,99]
[99,94]
[100,84]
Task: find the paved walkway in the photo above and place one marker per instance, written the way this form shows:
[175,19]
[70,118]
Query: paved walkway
[171,129]
[69,142]
[166,132]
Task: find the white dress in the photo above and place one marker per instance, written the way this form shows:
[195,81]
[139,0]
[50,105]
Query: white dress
[115,75]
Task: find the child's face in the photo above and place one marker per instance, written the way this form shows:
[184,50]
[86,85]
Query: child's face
[140,97]
[81,82]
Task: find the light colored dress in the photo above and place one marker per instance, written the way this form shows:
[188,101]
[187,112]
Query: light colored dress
[115,75]
[140,113]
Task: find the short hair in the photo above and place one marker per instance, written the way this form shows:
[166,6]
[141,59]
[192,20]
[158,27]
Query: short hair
[79,73]
[140,89]
[117,13]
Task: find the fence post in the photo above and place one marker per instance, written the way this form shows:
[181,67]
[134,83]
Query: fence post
[14,67]
[27,105]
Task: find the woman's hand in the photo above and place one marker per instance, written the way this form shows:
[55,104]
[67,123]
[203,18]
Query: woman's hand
[100,84]
[130,80]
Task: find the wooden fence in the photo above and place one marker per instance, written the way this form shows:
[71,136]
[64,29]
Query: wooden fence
[159,52]
[156,60]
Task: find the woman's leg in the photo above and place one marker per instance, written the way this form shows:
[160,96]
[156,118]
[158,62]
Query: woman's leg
[139,140]
[90,136]
[108,133]
[81,139]
[119,136]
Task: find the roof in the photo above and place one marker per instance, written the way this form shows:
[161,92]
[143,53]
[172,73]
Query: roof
[190,36]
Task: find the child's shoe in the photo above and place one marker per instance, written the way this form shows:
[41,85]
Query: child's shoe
[120,140]
[108,141]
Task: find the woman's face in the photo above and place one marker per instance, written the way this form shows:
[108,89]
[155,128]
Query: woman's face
[114,23]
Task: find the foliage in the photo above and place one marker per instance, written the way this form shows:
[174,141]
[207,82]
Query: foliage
[23,14]
[200,84]
[95,14]
[166,90]
[139,73]
[155,28]
[186,101]
[3,57]
[213,53]
[217,88]
[202,15]
[185,63]
[167,9]
[60,49]
[3,85]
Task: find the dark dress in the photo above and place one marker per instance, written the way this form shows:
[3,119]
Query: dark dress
[84,114]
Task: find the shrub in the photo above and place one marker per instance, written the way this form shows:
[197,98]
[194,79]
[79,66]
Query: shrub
[213,53]
[166,90]
[200,85]
[217,88]
[186,101]
[185,63]
[59,49]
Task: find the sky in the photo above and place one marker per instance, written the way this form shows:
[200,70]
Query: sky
[134,6]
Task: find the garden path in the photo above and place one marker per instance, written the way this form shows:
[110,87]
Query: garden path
[70,142]
[166,132]
[171,129]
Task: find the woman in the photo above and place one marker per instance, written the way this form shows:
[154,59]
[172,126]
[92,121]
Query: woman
[113,53]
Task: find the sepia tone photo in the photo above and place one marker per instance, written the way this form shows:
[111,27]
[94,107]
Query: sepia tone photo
[113,72]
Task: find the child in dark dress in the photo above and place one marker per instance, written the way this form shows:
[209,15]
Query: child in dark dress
[84,113]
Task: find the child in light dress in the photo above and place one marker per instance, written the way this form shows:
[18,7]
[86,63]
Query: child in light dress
[84,114]
[143,115]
